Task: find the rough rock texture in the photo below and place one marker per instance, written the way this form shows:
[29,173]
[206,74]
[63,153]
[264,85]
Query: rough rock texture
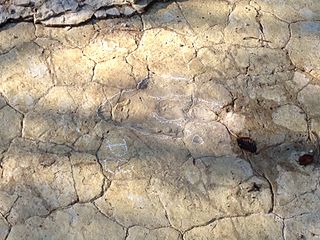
[117,125]
[70,12]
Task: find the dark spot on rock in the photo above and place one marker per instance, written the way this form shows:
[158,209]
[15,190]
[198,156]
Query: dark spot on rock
[255,187]
[143,84]
[306,159]
[247,144]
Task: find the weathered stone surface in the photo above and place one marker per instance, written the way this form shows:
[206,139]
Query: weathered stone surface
[126,127]
[309,97]
[10,125]
[291,10]
[13,35]
[115,73]
[252,227]
[210,189]
[214,95]
[81,221]
[207,139]
[87,176]
[39,181]
[4,228]
[162,63]
[242,26]
[305,226]
[292,201]
[291,117]
[203,16]
[25,76]
[66,72]
[136,233]
[276,33]
[110,45]
[65,114]
[130,204]
[304,46]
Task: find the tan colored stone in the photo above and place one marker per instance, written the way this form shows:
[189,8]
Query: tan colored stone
[204,15]
[266,61]
[304,46]
[4,228]
[207,139]
[291,117]
[210,189]
[201,112]
[242,26]
[291,10]
[214,95]
[78,36]
[15,34]
[130,204]
[309,97]
[137,233]
[115,73]
[234,122]
[64,114]
[163,63]
[276,33]
[292,201]
[166,15]
[109,45]
[80,221]
[25,76]
[69,73]
[10,125]
[253,227]
[42,181]
[87,176]
[305,226]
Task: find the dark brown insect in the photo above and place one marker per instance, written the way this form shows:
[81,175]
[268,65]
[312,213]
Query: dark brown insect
[306,159]
[247,144]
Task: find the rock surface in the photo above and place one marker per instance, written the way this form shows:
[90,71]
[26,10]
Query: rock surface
[121,119]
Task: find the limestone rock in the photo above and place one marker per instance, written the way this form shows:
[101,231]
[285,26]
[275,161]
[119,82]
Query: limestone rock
[291,10]
[242,26]
[10,125]
[87,176]
[275,31]
[110,45]
[240,228]
[138,232]
[80,221]
[207,139]
[64,114]
[4,228]
[309,97]
[305,226]
[291,117]
[42,181]
[114,73]
[215,96]
[306,35]
[130,204]
[70,18]
[211,188]
[13,35]
[68,73]
[25,76]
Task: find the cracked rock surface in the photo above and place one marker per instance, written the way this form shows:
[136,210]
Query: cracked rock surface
[119,119]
